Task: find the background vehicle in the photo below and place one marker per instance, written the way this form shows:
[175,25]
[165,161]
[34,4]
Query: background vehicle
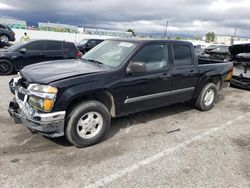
[116,78]
[211,47]
[241,59]
[6,35]
[22,54]
[87,44]
[198,50]
[218,53]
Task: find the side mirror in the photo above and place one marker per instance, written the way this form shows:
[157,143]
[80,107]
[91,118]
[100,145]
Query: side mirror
[136,67]
[23,50]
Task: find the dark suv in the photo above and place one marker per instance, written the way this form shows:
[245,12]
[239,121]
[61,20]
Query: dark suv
[87,44]
[22,54]
[6,35]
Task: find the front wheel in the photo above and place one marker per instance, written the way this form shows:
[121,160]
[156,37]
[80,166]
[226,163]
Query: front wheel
[207,97]
[87,124]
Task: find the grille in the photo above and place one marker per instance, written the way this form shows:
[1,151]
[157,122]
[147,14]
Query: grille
[20,96]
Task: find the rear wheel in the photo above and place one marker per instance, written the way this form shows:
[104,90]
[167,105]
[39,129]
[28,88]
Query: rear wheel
[87,124]
[206,99]
[6,67]
[4,39]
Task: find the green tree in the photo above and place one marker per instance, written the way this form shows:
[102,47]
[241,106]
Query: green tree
[210,37]
[131,31]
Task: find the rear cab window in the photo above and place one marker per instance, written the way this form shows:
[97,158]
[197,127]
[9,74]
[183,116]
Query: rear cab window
[182,55]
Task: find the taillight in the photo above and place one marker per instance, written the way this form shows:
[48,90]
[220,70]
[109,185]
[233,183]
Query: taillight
[78,54]
[230,75]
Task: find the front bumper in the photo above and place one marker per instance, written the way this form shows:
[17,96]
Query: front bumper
[48,124]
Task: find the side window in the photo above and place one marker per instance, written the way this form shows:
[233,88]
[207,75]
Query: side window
[35,46]
[53,46]
[92,43]
[182,55]
[68,47]
[154,56]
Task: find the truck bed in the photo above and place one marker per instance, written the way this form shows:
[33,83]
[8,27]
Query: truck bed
[204,61]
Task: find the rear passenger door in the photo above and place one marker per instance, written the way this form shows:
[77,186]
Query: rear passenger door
[53,50]
[185,73]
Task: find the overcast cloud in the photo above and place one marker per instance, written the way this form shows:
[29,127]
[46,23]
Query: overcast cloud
[145,16]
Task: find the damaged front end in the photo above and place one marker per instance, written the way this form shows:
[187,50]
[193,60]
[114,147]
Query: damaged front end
[241,59]
[25,111]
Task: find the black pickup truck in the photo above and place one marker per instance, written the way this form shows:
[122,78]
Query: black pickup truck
[78,98]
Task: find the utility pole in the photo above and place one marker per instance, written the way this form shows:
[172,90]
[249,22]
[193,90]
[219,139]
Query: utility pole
[94,23]
[166,30]
[235,31]
[233,38]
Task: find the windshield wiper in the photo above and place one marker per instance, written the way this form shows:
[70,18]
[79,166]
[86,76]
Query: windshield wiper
[94,61]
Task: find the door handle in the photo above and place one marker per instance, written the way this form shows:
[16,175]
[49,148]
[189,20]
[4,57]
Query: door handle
[165,76]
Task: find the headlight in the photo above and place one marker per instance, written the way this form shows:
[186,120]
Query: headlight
[45,105]
[42,97]
[42,88]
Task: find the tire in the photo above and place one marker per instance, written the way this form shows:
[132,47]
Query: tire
[4,39]
[87,124]
[6,67]
[207,97]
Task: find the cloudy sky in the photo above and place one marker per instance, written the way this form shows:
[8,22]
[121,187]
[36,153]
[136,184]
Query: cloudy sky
[194,17]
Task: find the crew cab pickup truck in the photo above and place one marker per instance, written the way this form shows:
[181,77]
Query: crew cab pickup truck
[78,98]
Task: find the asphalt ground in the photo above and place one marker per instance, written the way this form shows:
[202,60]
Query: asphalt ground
[175,146]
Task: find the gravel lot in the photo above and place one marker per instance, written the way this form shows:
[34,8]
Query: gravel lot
[212,149]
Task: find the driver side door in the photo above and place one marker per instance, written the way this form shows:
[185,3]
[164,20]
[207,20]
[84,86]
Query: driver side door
[34,54]
[150,89]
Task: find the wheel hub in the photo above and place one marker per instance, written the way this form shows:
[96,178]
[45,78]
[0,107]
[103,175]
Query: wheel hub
[3,67]
[209,97]
[4,39]
[89,125]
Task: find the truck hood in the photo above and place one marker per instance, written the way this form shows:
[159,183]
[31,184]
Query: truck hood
[51,71]
[240,48]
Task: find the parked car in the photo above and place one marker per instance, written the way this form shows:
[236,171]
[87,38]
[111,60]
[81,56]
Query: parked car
[87,44]
[22,54]
[241,59]
[116,78]
[6,35]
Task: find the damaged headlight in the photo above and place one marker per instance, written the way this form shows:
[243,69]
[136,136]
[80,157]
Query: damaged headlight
[42,97]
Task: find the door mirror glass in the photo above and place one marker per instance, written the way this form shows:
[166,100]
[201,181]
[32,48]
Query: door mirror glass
[23,50]
[137,67]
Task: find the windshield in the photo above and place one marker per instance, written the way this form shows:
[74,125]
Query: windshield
[16,46]
[110,53]
[83,42]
